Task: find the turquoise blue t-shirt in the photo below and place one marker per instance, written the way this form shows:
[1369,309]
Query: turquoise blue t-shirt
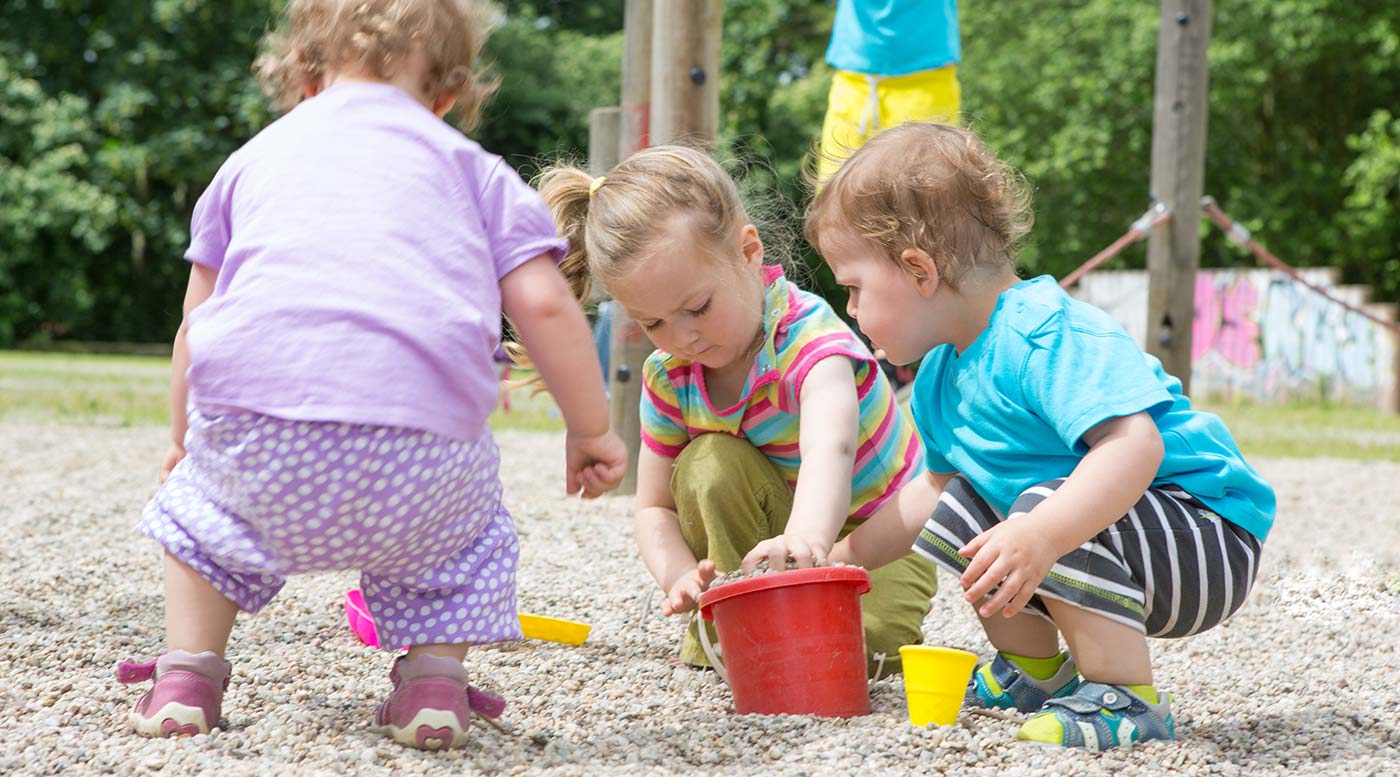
[894,37]
[1011,410]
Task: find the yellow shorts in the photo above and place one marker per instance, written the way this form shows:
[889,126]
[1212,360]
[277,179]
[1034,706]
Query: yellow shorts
[861,105]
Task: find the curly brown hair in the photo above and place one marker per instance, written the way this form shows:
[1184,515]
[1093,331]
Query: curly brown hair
[934,187]
[374,37]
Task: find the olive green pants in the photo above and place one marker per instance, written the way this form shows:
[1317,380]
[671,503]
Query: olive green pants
[730,497]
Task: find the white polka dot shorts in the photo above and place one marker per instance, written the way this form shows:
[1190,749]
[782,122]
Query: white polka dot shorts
[419,515]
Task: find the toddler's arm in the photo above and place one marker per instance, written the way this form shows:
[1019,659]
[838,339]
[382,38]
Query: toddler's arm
[201,285]
[889,534]
[659,539]
[828,433]
[1015,555]
[551,325]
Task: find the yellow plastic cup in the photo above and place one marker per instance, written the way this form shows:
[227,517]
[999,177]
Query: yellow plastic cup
[935,681]
[553,629]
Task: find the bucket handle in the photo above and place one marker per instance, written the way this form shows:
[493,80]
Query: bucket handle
[712,651]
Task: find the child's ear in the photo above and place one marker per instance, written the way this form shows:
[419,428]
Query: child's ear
[750,246]
[921,269]
[443,103]
[312,87]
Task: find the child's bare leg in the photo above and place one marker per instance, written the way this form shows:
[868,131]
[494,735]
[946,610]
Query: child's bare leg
[1023,634]
[1106,651]
[457,650]
[197,617]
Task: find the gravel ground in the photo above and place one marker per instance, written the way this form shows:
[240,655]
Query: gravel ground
[1302,681]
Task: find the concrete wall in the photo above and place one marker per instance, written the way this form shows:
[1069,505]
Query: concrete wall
[1259,334]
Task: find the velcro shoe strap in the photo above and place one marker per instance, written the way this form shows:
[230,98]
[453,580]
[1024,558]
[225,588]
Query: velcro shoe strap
[130,671]
[1091,697]
[485,704]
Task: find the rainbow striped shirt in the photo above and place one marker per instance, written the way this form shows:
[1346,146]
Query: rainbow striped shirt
[800,330]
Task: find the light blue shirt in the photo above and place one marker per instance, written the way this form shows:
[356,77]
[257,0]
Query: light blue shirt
[894,37]
[1011,411]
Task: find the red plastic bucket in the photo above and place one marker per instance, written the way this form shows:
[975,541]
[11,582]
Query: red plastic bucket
[792,641]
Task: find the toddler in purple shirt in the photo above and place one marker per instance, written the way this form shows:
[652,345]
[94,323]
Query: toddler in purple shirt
[333,374]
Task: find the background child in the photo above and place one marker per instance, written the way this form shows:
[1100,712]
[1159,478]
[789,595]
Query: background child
[1081,494]
[768,428]
[350,267]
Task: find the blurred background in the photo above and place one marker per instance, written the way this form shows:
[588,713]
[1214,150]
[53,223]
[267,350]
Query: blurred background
[114,115]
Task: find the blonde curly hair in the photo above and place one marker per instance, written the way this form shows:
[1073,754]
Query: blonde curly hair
[374,37]
[934,187]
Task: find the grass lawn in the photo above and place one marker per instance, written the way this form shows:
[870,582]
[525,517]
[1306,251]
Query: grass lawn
[132,390]
[100,390]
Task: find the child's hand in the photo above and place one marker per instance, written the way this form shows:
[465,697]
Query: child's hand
[1010,557]
[172,457]
[594,465]
[805,551]
[685,592]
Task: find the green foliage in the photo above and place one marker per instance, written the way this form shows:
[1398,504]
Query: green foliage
[1369,217]
[551,78]
[115,114]
[131,108]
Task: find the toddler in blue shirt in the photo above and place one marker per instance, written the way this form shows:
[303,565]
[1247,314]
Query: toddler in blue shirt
[1077,492]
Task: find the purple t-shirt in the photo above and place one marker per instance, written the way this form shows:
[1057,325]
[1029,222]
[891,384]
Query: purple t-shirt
[360,242]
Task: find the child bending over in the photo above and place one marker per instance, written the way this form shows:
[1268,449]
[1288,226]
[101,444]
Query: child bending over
[349,269]
[1080,492]
[769,429]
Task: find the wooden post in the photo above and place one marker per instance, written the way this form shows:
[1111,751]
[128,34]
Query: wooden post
[604,128]
[636,77]
[1178,170]
[685,71]
[630,347]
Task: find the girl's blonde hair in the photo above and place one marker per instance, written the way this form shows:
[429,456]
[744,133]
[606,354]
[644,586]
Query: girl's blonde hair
[634,204]
[374,37]
[933,187]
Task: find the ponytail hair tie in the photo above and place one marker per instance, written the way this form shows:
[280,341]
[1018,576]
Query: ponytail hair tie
[593,187]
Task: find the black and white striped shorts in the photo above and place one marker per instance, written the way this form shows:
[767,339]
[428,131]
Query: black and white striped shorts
[1170,567]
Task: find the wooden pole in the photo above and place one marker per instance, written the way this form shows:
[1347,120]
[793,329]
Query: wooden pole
[630,347]
[1178,172]
[636,77]
[604,128]
[685,71]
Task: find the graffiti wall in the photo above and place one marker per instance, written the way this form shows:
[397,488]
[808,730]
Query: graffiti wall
[1261,335]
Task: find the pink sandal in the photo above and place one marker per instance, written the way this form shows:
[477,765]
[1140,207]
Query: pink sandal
[187,696]
[432,705]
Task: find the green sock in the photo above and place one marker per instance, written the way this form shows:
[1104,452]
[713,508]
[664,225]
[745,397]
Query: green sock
[1039,668]
[1147,692]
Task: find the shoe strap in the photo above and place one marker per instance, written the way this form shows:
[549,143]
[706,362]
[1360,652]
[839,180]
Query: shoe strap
[131,671]
[1091,697]
[485,704]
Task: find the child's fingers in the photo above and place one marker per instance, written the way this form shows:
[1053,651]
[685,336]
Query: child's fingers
[777,555]
[708,573]
[975,544]
[613,473]
[571,484]
[751,560]
[977,567]
[593,486]
[999,600]
[1019,602]
[983,584]
[801,554]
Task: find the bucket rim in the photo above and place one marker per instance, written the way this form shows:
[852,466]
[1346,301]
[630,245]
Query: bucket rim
[783,579]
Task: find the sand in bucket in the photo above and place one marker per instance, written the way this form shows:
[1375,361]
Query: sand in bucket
[935,681]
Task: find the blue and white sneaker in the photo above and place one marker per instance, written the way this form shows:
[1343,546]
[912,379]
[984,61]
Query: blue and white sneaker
[1000,684]
[1098,717]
